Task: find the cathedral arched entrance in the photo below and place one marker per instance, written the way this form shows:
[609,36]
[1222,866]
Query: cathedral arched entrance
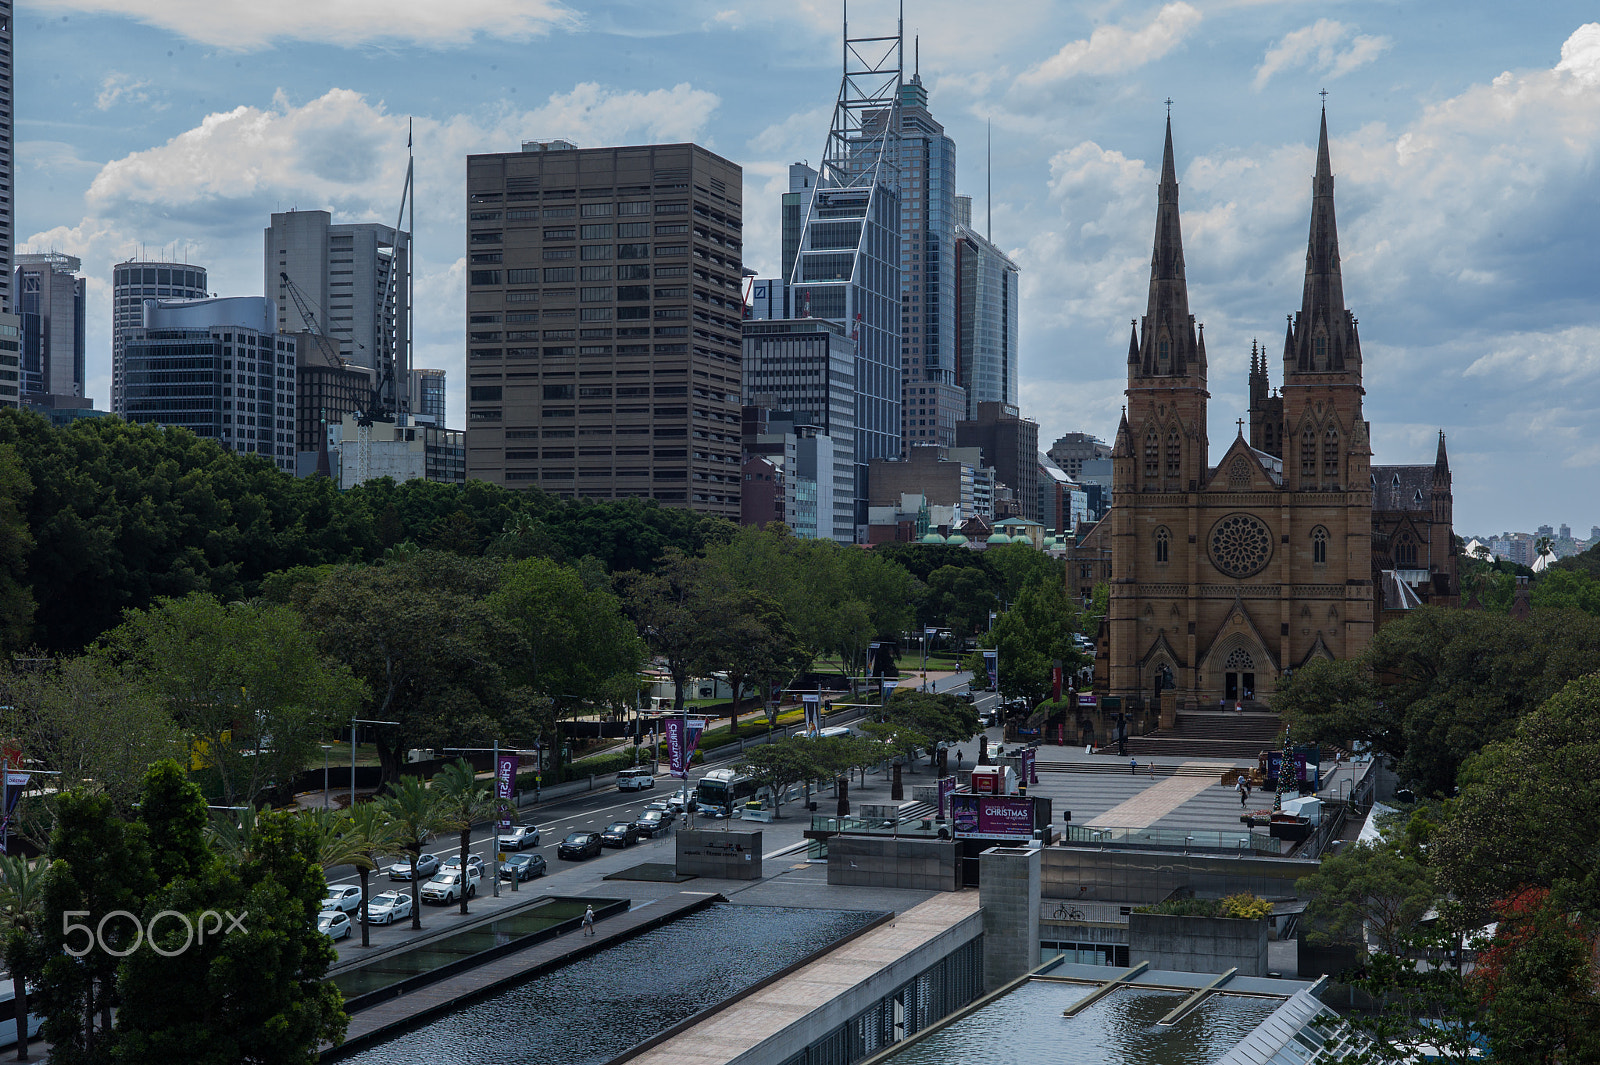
[1238,668]
[1239,675]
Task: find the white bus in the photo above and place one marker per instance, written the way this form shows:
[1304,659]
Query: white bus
[724,790]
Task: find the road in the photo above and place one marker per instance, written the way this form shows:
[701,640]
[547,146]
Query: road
[589,812]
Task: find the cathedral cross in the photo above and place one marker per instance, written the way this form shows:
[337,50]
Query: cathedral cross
[1241,426]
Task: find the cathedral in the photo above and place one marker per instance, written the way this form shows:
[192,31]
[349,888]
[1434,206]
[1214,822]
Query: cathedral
[1225,576]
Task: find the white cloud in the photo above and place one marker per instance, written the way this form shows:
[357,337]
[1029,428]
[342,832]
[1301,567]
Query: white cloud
[1561,358]
[1324,47]
[1580,54]
[243,25]
[1116,49]
[117,88]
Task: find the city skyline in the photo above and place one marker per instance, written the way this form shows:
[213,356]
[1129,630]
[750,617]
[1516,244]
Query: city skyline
[1476,302]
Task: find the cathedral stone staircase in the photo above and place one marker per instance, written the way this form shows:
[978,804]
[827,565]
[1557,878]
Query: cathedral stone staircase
[1209,734]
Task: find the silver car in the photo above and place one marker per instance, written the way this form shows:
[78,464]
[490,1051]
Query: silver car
[519,836]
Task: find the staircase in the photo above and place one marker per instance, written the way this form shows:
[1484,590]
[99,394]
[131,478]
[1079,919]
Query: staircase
[1208,734]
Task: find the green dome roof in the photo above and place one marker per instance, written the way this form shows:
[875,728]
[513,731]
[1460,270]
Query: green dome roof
[932,538]
[998,538]
[956,538]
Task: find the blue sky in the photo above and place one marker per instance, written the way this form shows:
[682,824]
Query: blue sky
[1465,144]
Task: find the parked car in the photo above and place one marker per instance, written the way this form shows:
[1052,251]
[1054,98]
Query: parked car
[346,898]
[579,845]
[664,808]
[388,907]
[635,780]
[453,864]
[335,924]
[523,867]
[519,836]
[447,886]
[427,865]
[653,823]
[620,834]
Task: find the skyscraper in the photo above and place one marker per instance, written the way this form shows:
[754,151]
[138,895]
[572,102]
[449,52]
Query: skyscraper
[847,267]
[427,395]
[7,192]
[986,320]
[796,202]
[50,301]
[134,282]
[604,307]
[933,398]
[352,278]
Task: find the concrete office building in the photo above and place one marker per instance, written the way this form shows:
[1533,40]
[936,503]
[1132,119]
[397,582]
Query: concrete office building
[1072,450]
[10,360]
[427,396]
[1010,444]
[769,298]
[132,283]
[353,278]
[326,389]
[219,368]
[7,170]
[604,309]
[987,352]
[789,473]
[358,454]
[796,203]
[932,397]
[808,365]
[50,301]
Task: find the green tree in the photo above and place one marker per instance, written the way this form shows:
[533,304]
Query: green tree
[682,611]
[21,914]
[418,812]
[174,812]
[913,720]
[1020,565]
[1538,983]
[1369,889]
[371,835]
[1031,637]
[758,646]
[959,597]
[245,682]
[16,544]
[778,766]
[464,800]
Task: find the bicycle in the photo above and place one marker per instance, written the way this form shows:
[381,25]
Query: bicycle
[1067,913]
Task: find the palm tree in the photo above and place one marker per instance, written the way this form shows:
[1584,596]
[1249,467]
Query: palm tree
[21,910]
[417,813]
[371,834]
[465,801]
[234,839]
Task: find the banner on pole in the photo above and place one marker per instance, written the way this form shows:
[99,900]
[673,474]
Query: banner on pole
[15,784]
[1030,765]
[888,689]
[991,663]
[812,701]
[947,788]
[505,786]
[683,736]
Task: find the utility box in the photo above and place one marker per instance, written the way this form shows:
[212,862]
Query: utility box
[994,780]
[718,854]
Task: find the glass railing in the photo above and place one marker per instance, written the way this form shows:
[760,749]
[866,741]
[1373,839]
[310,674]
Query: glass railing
[879,826]
[1194,839]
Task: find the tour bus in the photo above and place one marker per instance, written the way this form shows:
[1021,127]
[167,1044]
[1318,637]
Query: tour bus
[721,791]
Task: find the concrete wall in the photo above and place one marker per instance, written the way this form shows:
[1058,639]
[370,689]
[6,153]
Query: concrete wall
[1148,876]
[1198,944]
[1009,894]
[724,855]
[884,861]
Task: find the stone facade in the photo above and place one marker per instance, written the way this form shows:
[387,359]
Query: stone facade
[1198,944]
[875,861]
[721,855]
[1008,890]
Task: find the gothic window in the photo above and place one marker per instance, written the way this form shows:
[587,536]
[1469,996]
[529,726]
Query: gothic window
[1320,352]
[1163,543]
[1240,545]
[1239,473]
[1319,546]
[1163,352]
[1308,453]
[1405,552]
[1152,456]
[1174,454]
[1239,661]
[1330,456]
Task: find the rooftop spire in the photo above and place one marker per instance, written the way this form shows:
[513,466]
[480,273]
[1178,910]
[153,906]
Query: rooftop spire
[1169,346]
[1324,334]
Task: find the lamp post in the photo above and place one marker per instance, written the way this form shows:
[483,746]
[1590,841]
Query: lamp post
[354,721]
[327,796]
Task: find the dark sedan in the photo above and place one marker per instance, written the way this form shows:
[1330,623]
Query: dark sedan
[579,845]
[522,866]
[653,823]
[621,834]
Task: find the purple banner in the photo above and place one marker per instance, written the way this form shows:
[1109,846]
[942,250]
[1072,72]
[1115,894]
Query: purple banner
[1030,765]
[991,663]
[680,747]
[947,788]
[505,786]
[992,816]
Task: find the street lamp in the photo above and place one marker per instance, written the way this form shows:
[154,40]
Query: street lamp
[327,796]
[354,721]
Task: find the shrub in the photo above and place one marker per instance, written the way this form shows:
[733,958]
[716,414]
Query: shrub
[1246,906]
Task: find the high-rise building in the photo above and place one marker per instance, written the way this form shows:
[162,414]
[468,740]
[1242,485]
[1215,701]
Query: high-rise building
[808,365]
[132,283]
[10,360]
[1072,450]
[789,473]
[932,397]
[847,266]
[7,175]
[50,301]
[1010,444]
[219,368]
[352,279]
[796,202]
[985,321]
[326,389]
[427,395]
[604,308]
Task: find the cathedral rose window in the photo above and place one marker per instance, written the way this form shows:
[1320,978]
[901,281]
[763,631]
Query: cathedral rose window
[1240,545]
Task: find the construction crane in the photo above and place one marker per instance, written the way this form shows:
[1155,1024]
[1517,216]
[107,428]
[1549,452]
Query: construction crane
[325,342]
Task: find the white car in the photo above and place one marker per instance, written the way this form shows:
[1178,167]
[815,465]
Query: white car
[447,886]
[474,862]
[635,780]
[335,924]
[389,907]
[346,898]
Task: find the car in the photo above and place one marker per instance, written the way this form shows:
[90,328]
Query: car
[653,823]
[523,867]
[635,780]
[579,845]
[664,808]
[447,886]
[335,924]
[712,811]
[427,865]
[620,834]
[453,864]
[681,800]
[388,907]
[346,898]
[519,836]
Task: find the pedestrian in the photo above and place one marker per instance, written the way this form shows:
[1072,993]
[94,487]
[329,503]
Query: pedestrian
[959,756]
[1133,766]
[1243,789]
[588,921]
[1222,703]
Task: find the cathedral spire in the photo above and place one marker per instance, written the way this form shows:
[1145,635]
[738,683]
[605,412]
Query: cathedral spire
[1169,346]
[1441,461]
[1324,338]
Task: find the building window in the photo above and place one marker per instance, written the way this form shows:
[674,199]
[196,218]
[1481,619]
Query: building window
[1308,454]
[1163,545]
[1330,456]
[1152,456]
[1405,552]
[1174,454]
[1319,546]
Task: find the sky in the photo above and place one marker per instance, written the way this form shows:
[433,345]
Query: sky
[1465,137]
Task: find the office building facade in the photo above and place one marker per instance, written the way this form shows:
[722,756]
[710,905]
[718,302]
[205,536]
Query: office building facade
[7,166]
[326,389]
[807,365]
[796,203]
[428,396]
[1010,443]
[51,303]
[353,281]
[10,360]
[134,282]
[1072,450]
[604,314]
[986,321]
[219,368]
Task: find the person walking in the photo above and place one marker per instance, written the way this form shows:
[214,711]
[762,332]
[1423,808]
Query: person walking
[1243,789]
[959,757]
[1133,766]
[588,921]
